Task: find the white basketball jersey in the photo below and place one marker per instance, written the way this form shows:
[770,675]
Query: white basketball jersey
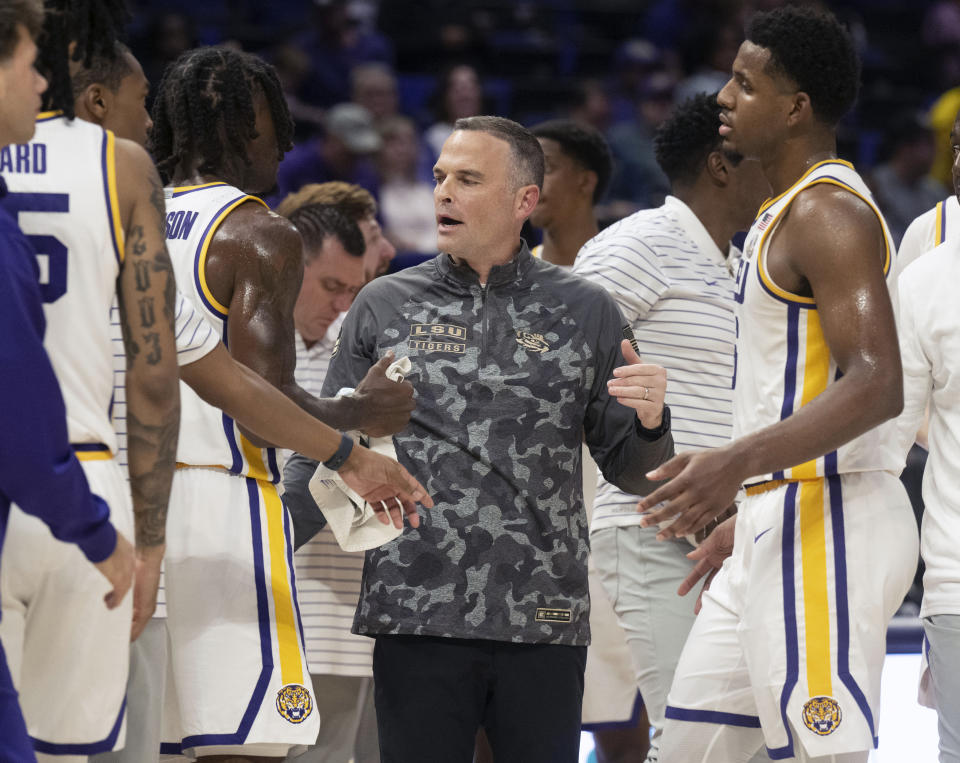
[63,188]
[782,358]
[208,437]
[930,230]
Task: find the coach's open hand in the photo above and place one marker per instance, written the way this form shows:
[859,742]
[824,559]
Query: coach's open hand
[640,386]
[385,485]
[383,405]
[702,484]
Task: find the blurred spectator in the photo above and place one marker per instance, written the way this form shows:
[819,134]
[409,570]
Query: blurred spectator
[708,53]
[942,114]
[165,38]
[459,94]
[343,152]
[638,182]
[293,68]
[406,202]
[337,42]
[374,86]
[902,185]
[633,62]
[590,105]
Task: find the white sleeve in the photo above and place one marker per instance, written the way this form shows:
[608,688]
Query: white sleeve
[919,237]
[196,338]
[628,270]
[917,372]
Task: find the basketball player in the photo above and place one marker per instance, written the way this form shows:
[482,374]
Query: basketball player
[38,469]
[220,128]
[932,227]
[788,647]
[670,271]
[93,208]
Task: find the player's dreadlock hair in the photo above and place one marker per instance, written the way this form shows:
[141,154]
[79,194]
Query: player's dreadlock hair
[94,25]
[204,109]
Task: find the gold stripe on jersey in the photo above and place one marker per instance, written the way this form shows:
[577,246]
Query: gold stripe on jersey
[185,188]
[93,455]
[113,200]
[770,202]
[816,591]
[938,227]
[201,261]
[761,259]
[256,468]
[288,645]
[816,376]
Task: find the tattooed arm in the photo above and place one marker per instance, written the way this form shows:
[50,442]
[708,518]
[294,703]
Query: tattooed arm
[146,292]
[255,265]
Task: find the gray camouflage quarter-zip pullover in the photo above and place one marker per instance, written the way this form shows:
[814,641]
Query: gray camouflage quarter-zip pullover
[509,379]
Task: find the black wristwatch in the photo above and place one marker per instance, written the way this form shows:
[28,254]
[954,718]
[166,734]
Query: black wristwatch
[655,434]
[339,458]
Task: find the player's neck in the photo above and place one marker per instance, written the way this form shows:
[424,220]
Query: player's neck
[561,242]
[796,157]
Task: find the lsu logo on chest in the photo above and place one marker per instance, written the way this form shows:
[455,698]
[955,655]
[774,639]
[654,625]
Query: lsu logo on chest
[437,337]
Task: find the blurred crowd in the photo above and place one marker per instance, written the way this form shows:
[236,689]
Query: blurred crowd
[375,85]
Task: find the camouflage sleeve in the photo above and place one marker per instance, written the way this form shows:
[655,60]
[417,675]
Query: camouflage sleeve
[620,446]
[355,350]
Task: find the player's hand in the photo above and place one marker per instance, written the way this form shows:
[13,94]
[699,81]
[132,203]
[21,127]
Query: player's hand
[118,570]
[384,406]
[709,556]
[385,485]
[640,386]
[701,485]
[146,580]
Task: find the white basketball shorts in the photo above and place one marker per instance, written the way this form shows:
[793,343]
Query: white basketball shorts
[68,653]
[792,635]
[238,674]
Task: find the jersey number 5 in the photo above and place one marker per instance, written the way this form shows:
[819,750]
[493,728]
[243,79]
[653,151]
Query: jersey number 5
[51,252]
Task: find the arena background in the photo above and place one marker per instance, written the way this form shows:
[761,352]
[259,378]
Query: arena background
[619,65]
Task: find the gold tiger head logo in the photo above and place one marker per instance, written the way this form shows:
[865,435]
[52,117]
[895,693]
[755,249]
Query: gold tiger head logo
[294,703]
[822,715]
[532,342]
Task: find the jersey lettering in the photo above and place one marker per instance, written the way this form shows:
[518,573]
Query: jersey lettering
[180,223]
[51,252]
[24,158]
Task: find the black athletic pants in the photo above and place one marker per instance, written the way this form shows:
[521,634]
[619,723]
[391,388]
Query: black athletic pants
[432,694]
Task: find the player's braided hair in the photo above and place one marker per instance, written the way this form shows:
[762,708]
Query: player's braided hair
[94,25]
[204,109]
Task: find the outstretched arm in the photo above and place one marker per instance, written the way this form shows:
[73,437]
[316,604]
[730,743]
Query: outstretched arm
[246,397]
[838,249]
[146,292]
[255,265]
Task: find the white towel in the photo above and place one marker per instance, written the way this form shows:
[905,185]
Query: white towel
[352,520]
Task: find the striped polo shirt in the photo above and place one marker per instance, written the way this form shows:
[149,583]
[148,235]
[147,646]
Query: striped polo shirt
[328,578]
[676,290]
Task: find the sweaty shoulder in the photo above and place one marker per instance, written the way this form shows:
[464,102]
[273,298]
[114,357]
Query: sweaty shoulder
[824,214]
[254,227]
[137,177]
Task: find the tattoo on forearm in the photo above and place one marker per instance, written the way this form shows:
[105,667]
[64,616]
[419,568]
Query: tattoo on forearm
[150,476]
[147,318]
[155,355]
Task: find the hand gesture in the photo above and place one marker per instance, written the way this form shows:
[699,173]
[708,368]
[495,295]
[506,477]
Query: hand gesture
[118,570]
[146,580]
[385,405]
[709,555]
[702,484]
[385,485]
[640,386]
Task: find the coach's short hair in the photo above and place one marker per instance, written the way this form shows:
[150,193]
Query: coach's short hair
[683,142]
[582,143]
[13,13]
[355,202]
[815,51]
[318,222]
[524,147]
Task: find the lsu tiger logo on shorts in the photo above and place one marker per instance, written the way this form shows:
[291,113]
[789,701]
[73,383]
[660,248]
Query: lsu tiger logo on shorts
[822,715]
[294,703]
